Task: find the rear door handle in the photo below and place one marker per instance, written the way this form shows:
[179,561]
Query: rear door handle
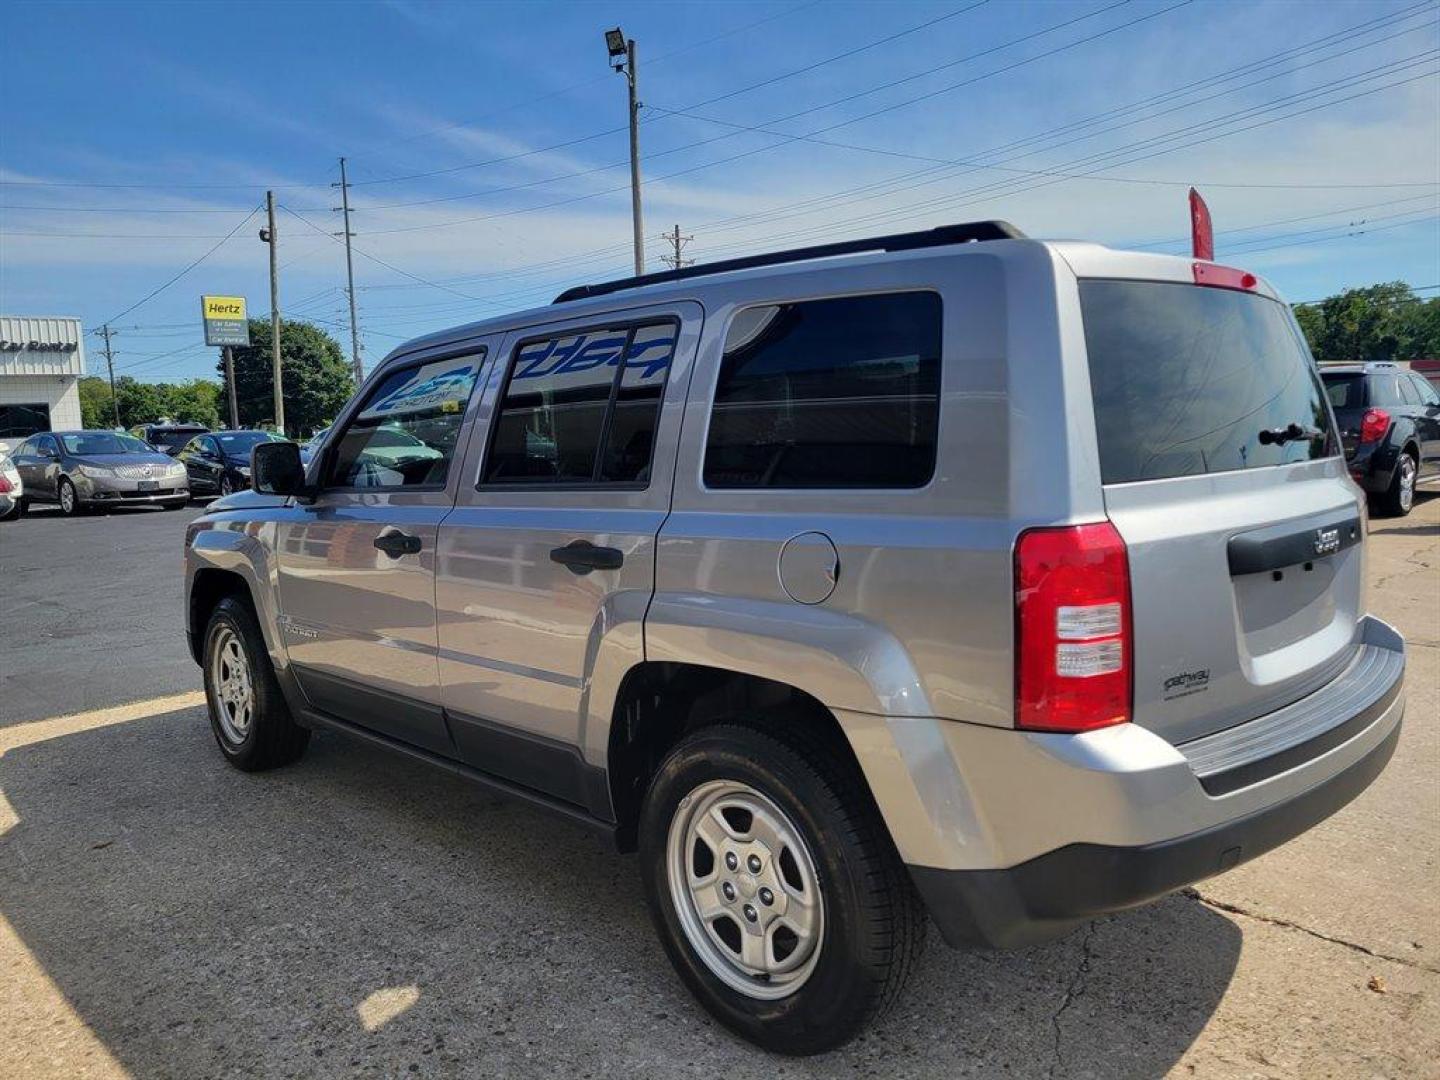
[581,556]
[396,544]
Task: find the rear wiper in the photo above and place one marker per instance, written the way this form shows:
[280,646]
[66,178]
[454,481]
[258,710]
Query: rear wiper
[1290,432]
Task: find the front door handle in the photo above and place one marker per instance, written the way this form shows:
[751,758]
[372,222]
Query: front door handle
[581,556]
[396,544]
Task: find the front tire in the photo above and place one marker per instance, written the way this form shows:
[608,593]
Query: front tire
[1399,499]
[227,487]
[70,504]
[775,888]
[248,715]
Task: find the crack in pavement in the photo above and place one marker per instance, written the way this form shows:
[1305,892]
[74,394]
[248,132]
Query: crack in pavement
[1236,909]
[1074,990]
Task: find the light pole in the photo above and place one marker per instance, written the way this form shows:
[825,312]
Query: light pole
[622,58]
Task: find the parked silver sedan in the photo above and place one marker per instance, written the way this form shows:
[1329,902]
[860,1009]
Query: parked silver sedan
[84,470]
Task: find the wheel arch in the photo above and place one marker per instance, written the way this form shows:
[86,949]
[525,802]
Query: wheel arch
[660,702]
[208,587]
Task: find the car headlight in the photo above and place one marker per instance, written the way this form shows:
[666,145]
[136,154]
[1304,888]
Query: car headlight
[243,470]
[177,469]
[95,472]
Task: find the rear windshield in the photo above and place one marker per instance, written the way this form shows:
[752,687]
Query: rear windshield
[241,442]
[1345,391]
[1185,380]
[173,437]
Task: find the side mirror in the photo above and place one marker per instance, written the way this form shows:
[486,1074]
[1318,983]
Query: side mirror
[276,469]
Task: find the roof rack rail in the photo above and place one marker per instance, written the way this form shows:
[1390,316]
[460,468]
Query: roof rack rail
[965,233]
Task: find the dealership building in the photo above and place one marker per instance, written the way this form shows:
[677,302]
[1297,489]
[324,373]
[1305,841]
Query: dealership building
[41,361]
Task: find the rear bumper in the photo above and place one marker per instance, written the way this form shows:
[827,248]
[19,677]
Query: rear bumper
[1052,894]
[1014,837]
[1372,466]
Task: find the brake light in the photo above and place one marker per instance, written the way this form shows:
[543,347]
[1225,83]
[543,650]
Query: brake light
[1073,635]
[1223,277]
[5,488]
[1373,425]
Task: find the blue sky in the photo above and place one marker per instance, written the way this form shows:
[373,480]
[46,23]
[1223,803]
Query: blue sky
[487,144]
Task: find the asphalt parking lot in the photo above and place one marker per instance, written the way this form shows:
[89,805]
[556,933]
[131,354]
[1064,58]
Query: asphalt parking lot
[164,915]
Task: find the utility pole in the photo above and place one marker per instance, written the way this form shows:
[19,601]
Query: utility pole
[622,58]
[272,238]
[350,276]
[677,244]
[230,385]
[110,366]
[635,212]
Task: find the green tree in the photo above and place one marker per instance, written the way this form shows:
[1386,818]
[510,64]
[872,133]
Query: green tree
[140,402]
[197,400]
[1378,322]
[315,379]
[96,409]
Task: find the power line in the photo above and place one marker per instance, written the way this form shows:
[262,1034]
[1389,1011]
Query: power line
[566,144]
[376,259]
[722,138]
[591,82]
[158,290]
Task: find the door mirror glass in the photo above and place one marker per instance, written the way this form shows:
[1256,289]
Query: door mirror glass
[276,469]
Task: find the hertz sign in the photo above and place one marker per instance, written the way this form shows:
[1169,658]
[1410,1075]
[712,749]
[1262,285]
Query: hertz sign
[225,322]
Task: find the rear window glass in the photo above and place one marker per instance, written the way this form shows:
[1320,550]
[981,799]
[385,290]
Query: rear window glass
[1345,391]
[839,393]
[1186,379]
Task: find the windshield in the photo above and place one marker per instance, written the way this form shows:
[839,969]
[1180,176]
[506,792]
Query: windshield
[173,438]
[241,442]
[104,442]
[1189,380]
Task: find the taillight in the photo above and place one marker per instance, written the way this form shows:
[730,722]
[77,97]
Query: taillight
[1373,425]
[1072,621]
[4,485]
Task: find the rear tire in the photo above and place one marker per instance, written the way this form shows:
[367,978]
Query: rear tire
[1399,499]
[248,714]
[814,855]
[16,509]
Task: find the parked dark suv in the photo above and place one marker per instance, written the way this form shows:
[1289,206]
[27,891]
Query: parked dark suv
[168,437]
[1389,422]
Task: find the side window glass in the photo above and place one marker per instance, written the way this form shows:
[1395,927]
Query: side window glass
[405,432]
[1383,390]
[1408,394]
[1428,395]
[840,393]
[582,408]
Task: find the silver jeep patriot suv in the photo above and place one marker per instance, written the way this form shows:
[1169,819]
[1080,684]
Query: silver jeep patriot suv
[949,573]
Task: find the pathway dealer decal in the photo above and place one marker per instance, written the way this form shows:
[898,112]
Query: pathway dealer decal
[1186,683]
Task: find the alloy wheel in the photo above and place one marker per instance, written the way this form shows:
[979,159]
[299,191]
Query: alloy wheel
[1407,482]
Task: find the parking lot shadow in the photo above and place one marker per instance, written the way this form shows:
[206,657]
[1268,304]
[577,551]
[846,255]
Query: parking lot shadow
[361,915]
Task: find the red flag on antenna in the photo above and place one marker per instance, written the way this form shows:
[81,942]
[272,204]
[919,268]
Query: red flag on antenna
[1202,236]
